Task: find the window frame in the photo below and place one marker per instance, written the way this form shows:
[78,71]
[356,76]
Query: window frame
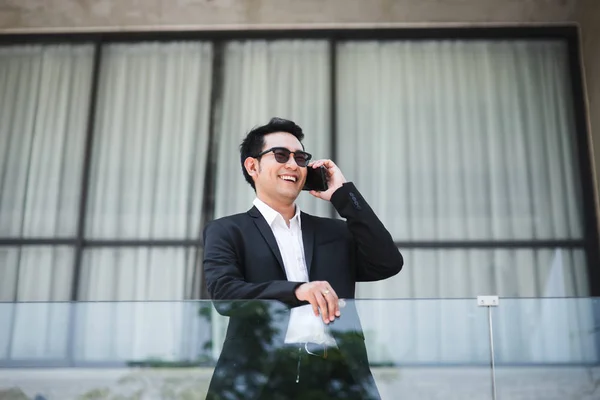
[568,33]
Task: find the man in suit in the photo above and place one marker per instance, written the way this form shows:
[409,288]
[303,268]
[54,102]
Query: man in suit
[296,334]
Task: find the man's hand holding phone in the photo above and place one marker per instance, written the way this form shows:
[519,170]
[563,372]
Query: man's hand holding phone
[335,179]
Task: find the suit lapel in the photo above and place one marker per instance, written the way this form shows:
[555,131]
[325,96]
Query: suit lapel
[267,234]
[308,239]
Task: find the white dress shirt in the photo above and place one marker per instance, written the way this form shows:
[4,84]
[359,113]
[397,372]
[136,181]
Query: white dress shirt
[304,326]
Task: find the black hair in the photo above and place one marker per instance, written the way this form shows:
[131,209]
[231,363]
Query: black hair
[255,140]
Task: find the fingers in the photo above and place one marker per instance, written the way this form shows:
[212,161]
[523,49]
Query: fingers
[316,194]
[323,306]
[327,163]
[328,302]
[323,299]
[315,305]
[331,308]
[332,303]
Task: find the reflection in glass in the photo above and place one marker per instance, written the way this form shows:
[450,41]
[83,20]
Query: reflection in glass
[35,274]
[545,348]
[139,275]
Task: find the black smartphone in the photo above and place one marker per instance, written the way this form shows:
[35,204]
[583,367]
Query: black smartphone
[316,179]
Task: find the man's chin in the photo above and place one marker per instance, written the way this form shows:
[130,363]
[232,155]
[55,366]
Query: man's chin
[290,193]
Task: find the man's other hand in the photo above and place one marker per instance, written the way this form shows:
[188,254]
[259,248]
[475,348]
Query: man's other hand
[322,297]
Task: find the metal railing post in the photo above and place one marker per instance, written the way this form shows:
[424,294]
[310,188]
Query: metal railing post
[489,302]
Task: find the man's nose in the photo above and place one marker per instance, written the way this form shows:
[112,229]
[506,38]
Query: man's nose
[291,162]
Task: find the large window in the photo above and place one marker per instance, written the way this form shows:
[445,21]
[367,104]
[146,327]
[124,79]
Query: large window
[464,142]
[467,142]
[115,153]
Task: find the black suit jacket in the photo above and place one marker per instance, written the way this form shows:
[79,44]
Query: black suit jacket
[242,262]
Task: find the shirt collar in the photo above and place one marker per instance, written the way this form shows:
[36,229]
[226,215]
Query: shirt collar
[270,215]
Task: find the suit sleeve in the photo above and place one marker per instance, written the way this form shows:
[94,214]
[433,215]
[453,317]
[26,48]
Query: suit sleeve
[223,272]
[377,257]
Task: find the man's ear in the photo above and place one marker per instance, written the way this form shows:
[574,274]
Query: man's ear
[251,165]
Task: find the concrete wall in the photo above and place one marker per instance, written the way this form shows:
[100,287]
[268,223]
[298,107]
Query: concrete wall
[202,14]
[589,19]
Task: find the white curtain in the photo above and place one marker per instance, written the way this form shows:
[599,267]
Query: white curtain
[150,143]
[121,274]
[44,101]
[465,141]
[287,79]
[478,137]
[458,273]
[147,182]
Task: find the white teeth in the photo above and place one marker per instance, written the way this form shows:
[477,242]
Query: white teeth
[288,178]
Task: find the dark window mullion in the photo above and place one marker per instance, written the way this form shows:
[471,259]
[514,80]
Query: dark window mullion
[141,243]
[12,242]
[210,177]
[79,241]
[414,244]
[87,162]
[38,242]
[491,244]
[333,106]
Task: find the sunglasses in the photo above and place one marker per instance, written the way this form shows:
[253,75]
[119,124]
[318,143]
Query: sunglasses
[282,155]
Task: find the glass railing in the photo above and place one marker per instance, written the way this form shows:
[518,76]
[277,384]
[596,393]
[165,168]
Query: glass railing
[417,349]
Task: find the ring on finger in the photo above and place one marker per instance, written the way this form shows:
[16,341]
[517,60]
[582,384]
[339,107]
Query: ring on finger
[326,292]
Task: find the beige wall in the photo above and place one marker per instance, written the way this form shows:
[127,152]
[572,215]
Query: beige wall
[589,19]
[139,14]
[128,15]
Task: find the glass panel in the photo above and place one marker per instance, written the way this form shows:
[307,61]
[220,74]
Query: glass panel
[174,340]
[151,141]
[418,349]
[462,273]
[461,140]
[547,348]
[38,274]
[44,101]
[143,333]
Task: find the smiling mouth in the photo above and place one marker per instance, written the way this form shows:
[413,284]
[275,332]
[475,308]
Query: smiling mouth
[289,178]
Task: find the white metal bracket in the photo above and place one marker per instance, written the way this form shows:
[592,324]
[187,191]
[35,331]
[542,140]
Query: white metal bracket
[488,301]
